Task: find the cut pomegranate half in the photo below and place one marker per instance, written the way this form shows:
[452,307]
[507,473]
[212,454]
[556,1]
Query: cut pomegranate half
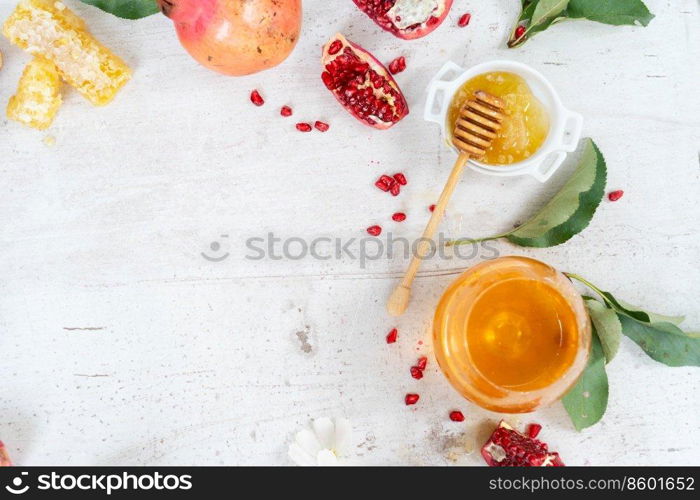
[407,19]
[361,84]
[508,448]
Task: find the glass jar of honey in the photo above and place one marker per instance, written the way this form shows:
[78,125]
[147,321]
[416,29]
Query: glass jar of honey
[512,334]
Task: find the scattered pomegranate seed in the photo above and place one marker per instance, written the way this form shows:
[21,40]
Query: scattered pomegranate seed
[374,230]
[411,399]
[400,178]
[422,363]
[534,430]
[395,189]
[520,31]
[616,195]
[464,20]
[335,47]
[304,127]
[397,65]
[388,180]
[416,373]
[457,416]
[321,126]
[393,335]
[399,217]
[382,185]
[286,111]
[256,98]
[431,208]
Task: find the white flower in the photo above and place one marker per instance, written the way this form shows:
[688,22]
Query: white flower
[322,444]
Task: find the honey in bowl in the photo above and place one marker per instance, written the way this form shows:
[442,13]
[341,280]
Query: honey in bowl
[512,334]
[527,123]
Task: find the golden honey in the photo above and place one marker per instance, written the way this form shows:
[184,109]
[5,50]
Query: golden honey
[526,125]
[512,334]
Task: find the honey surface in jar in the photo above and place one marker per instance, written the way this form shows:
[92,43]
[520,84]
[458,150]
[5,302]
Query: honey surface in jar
[521,334]
[526,125]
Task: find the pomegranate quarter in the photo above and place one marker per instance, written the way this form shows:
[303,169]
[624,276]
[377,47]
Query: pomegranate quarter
[509,448]
[407,19]
[361,84]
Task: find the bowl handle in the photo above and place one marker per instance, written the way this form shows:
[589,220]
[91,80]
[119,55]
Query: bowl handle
[573,126]
[548,166]
[436,102]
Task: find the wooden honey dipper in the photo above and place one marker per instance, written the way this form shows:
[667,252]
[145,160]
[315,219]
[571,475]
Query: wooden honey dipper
[477,126]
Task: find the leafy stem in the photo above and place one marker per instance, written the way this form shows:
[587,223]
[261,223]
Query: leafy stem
[588,284]
[568,213]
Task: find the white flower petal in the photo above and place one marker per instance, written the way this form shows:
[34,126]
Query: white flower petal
[326,457]
[308,442]
[300,457]
[343,435]
[325,432]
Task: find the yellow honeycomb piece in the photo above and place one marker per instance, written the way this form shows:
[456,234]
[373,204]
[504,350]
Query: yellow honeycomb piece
[49,29]
[38,96]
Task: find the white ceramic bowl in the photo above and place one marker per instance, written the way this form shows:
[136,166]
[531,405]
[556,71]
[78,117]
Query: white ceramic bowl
[565,126]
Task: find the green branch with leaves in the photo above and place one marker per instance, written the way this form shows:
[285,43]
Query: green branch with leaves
[538,15]
[659,336]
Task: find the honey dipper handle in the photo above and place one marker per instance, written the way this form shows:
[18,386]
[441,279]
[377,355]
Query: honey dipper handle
[398,302]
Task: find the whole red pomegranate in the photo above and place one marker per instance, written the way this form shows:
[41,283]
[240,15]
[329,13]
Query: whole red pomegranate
[361,84]
[236,37]
[407,19]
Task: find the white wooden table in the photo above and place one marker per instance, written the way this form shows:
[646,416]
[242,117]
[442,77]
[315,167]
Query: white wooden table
[121,344]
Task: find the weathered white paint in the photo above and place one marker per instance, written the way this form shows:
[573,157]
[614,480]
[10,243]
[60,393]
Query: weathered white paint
[120,344]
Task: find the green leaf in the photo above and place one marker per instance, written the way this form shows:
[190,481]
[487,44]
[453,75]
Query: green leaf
[587,401]
[128,9]
[547,10]
[639,314]
[617,12]
[531,26]
[663,342]
[571,209]
[568,213]
[607,326]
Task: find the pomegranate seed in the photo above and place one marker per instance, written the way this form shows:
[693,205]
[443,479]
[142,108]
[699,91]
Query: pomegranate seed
[321,126]
[457,416]
[534,430]
[382,185]
[464,20]
[519,31]
[411,399]
[395,189]
[431,208]
[393,335]
[374,230]
[389,181]
[422,363]
[397,65]
[256,98]
[616,195]
[304,127]
[335,47]
[286,111]
[416,373]
[399,217]
[401,179]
